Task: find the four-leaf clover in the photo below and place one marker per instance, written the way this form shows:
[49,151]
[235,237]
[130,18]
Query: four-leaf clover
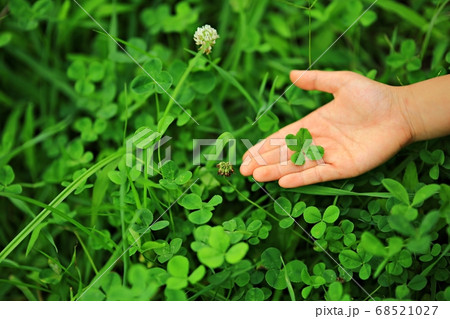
[302,144]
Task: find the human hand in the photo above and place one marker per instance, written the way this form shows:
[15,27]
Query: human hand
[361,128]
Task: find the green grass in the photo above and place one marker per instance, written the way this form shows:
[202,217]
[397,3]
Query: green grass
[71,206]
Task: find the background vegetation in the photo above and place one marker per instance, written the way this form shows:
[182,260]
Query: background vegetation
[69,205]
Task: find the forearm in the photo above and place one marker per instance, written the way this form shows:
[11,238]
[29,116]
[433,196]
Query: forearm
[426,107]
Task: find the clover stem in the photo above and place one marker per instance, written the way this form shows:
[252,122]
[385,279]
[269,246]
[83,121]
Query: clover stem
[183,78]
[122,222]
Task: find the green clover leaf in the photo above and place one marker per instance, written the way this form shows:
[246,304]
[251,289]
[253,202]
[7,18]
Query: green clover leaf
[302,144]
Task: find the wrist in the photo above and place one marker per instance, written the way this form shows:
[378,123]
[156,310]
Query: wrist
[409,112]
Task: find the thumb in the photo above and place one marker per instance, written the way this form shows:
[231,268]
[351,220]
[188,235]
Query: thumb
[326,81]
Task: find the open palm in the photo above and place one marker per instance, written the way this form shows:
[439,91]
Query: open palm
[360,129]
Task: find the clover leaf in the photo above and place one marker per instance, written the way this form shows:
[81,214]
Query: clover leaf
[203,211]
[302,144]
[312,215]
[213,247]
[173,177]
[153,79]
[178,269]
[283,207]
[6,178]
[279,274]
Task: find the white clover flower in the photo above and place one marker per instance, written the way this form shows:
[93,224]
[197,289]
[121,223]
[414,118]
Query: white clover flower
[206,37]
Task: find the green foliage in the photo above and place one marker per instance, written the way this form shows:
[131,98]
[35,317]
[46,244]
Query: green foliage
[74,200]
[302,144]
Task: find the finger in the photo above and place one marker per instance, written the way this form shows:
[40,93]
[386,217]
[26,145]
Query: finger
[275,156]
[326,81]
[276,171]
[318,174]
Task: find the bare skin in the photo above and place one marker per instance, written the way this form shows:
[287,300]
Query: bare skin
[362,127]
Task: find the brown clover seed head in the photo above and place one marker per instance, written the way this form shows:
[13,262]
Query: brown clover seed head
[225,169]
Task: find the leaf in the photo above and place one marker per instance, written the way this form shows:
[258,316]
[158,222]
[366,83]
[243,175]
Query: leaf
[236,253]
[410,178]
[276,279]
[96,71]
[200,217]
[331,214]
[405,259]
[395,244]
[408,48]
[153,66]
[197,274]
[6,175]
[429,221]
[314,152]
[5,38]
[178,266]
[396,189]
[312,215]
[292,143]
[163,82]
[168,184]
[142,84]
[408,212]
[434,172]
[117,177]
[203,82]
[372,245]
[347,226]
[298,210]
[254,294]
[271,258]
[400,224]
[150,245]
[55,202]
[160,225]
[424,193]
[395,60]
[168,170]
[215,200]
[176,283]
[401,291]
[335,291]
[349,259]
[211,257]
[84,87]
[298,158]
[254,225]
[318,229]
[183,177]
[420,245]
[286,222]
[191,201]
[33,238]
[219,239]
[175,295]
[365,271]
[76,70]
[417,283]
[303,136]
[282,206]
[294,270]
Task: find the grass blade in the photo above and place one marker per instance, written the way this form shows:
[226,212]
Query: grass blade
[55,202]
